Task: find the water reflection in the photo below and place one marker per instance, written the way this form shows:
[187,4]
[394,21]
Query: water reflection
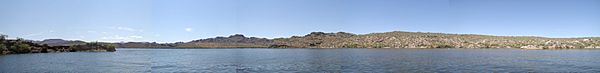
[307,60]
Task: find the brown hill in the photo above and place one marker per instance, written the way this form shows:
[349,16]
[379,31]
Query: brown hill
[233,41]
[399,39]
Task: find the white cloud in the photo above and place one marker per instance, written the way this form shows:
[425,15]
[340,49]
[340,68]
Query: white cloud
[38,34]
[128,29]
[33,34]
[136,37]
[91,31]
[189,29]
[117,38]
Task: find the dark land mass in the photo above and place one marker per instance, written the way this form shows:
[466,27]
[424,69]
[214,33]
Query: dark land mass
[396,39]
[21,46]
[233,41]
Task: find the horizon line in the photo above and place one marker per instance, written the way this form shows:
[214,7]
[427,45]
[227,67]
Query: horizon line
[537,36]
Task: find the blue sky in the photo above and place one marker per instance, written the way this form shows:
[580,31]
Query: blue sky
[185,20]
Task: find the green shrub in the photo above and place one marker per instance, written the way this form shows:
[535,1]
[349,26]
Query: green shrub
[379,45]
[20,48]
[444,46]
[3,47]
[350,46]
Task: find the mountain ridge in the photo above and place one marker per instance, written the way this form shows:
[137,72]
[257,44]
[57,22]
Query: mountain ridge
[399,39]
[394,39]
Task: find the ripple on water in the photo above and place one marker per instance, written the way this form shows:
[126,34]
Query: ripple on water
[307,61]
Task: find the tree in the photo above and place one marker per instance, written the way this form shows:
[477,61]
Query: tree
[2,37]
[3,49]
[20,39]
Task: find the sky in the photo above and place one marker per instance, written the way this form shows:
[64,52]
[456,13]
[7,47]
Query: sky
[186,20]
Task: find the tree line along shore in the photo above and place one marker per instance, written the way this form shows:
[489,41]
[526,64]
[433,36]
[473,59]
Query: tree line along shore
[22,46]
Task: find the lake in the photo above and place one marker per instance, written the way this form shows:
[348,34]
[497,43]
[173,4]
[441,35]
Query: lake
[305,60]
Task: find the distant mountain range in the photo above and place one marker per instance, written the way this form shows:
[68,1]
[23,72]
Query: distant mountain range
[396,39]
[59,42]
[233,41]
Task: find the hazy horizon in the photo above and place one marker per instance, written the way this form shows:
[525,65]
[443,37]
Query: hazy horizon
[186,20]
[288,37]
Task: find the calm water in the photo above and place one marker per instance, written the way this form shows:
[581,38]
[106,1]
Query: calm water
[306,60]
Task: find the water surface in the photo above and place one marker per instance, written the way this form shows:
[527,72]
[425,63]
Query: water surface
[306,60]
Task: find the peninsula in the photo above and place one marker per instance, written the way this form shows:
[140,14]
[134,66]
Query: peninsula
[21,46]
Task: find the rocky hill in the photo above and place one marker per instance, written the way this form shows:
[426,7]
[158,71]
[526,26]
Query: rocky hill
[399,39]
[233,41]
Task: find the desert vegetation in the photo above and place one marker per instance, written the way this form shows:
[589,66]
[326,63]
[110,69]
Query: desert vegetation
[20,46]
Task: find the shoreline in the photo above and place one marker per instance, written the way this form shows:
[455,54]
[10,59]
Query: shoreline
[370,48]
